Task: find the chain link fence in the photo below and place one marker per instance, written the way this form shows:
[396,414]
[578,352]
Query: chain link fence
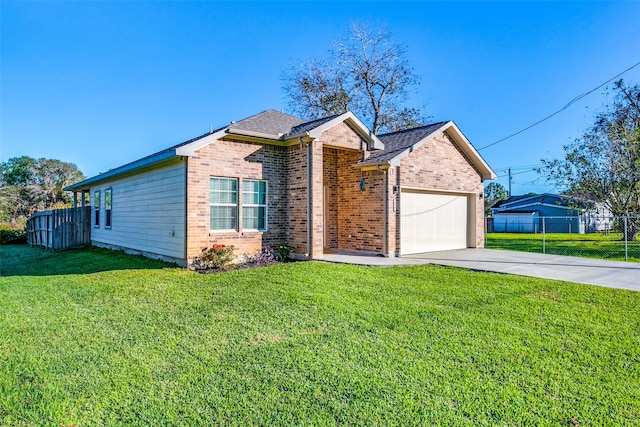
[606,237]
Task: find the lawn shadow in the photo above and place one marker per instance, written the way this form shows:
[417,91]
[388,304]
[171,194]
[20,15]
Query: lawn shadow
[22,260]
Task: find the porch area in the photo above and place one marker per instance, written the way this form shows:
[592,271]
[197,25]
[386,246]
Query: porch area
[353,204]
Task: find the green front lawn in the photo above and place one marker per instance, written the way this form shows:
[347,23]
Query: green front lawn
[596,245]
[308,344]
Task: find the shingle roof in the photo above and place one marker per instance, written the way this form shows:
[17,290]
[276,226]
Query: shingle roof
[511,199]
[309,126]
[396,142]
[277,125]
[513,202]
[269,122]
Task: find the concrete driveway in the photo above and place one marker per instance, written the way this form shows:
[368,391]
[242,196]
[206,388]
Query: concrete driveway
[612,274]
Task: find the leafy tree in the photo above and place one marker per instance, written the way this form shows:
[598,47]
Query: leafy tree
[28,185]
[493,193]
[604,164]
[367,73]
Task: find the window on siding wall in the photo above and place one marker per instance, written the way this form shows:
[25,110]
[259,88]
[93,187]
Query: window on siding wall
[254,205]
[96,209]
[107,207]
[223,204]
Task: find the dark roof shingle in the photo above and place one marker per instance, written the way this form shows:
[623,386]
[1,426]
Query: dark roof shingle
[269,122]
[396,142]
[309,126]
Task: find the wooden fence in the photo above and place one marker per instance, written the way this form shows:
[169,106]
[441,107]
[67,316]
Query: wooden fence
[60,229]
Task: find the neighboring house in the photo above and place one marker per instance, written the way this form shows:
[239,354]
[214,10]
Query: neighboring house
[272,178]
[563,214]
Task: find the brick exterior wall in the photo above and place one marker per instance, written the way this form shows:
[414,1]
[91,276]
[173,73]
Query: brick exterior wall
[360,214]
[242,160]
[441,165]
[285,168]
[296,195]
[331,187]
[354,219]
[342,136]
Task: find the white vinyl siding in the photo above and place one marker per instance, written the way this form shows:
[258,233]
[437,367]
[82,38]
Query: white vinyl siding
[223,196]
[149,212]
[254,205]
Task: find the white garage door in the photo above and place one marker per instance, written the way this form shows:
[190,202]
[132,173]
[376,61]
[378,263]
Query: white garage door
[432,222]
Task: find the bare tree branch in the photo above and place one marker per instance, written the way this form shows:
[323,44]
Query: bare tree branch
[367,73]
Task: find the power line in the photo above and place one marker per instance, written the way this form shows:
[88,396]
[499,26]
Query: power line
[522,167]
[516,173]
[573,101]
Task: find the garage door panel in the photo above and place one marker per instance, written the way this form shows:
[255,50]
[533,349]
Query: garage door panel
[432,222]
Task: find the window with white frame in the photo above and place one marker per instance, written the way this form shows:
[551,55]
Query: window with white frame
[254,205]
[107,207]
[223,199]
[96,208]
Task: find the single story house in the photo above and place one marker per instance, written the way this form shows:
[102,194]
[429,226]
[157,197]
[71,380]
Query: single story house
[321,185]
[562,214]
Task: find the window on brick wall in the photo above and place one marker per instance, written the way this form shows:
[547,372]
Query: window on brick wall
[223,204]
[254,205]
[96,208]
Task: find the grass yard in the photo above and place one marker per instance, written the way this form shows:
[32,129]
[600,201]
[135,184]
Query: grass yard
[142,343]
[596,245]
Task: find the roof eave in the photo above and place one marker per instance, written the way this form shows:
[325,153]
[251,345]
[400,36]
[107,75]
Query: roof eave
[255,134]
[373,165]
[86,184]
[354,122]
[190,149]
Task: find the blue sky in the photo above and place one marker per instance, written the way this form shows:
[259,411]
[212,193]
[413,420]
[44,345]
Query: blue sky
[100,84]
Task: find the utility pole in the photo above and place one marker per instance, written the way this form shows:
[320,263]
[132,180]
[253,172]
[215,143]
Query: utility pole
[509,182]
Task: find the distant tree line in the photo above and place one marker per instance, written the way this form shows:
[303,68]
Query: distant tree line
[28,185]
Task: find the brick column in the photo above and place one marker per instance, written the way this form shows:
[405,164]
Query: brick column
[317,200]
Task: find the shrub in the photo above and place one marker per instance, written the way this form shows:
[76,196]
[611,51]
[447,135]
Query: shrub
[283,252]
[12,237]
[262,257]
[214,258]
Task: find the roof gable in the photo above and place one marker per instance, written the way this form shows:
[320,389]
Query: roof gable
[314,129]
[397,142]
[400,144]
[309,126]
